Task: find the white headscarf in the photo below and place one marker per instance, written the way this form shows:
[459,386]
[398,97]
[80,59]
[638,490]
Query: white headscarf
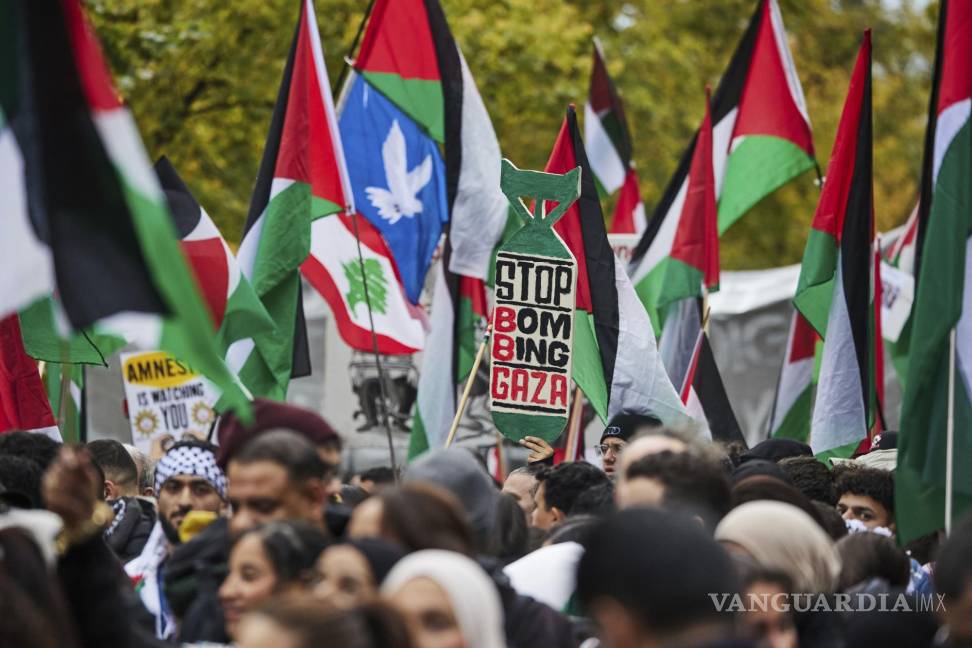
[475,601]
[782,537]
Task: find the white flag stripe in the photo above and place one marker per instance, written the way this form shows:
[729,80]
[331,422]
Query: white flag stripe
[789,69]
[795,377]
[950,121]
[963,332]
[436,391]
[605,161]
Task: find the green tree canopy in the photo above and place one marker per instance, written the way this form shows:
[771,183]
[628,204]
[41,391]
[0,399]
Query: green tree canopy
[202,78]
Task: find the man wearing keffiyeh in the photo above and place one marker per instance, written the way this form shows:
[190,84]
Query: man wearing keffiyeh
[187,479]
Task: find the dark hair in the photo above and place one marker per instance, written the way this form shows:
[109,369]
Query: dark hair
[690,479]
[953,569]
[565,482]
[33,608]
[628,424]
[510,535]
[925,548]
[37,447]
[291,546]
[21,479]
[351,496]
[576,528]
[867,482]
[752,573]
[762,487]
[378,475]
[671,564]
[811,477]
[864,556]
[420,516]
[114,461]
[597,500]
[831,520]
[293,452]
[373,625]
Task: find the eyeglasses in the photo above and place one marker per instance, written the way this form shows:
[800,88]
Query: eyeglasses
[602,449]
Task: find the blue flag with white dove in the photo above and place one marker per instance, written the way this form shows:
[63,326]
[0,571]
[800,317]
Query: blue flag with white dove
[398,179]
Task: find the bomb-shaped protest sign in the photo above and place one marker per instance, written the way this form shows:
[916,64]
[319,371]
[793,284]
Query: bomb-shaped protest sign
[533,314]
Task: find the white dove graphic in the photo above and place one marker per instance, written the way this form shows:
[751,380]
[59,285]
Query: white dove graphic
[400,199]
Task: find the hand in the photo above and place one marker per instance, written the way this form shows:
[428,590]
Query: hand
[70,488]
[160,445]
[540,450]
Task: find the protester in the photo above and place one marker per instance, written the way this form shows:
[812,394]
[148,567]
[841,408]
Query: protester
[597,500]
[276,475]
[144,466]
[295,622]
[187,480]
[21,481]
[39,448]
[776,450]
[511,531]
[351,572]
[375,479]
[559,489]
[764,487]
[267,560]
[662,595]
[866,495]
[522,484]
[623,428]
[811,477]
[447,601]
[869,556]
[133,517]
[772,625]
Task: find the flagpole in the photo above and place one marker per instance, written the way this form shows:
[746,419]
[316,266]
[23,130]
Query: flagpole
[468,388]
[950,435]
[374,345]
[348,61]
[573,426]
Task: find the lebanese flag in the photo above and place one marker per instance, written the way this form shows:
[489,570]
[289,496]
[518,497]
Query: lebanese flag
[794,393]
[615,361]
[23,401]
[606,134]
[86,202]
[760,141]
[235,308]
[335,270]
[835,292]
[302,177]
[705,395]
[943,295]
[629,212]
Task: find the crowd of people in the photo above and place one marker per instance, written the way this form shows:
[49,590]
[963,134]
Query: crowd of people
[259,541]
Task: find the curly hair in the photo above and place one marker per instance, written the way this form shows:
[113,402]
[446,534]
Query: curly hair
[870,482]
[811,477]
[565,483]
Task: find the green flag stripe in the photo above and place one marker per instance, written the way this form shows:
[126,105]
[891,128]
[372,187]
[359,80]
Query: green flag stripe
[816,287]
[420,99]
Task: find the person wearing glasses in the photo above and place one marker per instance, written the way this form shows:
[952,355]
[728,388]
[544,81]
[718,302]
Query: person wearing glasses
[621,429]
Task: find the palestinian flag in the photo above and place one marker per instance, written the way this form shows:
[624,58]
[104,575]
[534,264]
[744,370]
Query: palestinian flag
[835,292]
[409,55]
[299,181]
[943,299]
[236,310]
[66,394]
[760,141]
[92,200]
[705,395]
[23,402]
[629,212]
[335,270]
[794,394]
[615,361]
[606,134]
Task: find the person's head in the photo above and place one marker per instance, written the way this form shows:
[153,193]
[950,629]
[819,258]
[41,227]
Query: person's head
[763,487]
[865,556]
[351,572]
[830,520]
[662,593]
[781,537]
[650,442]
[867,495]
[296,622]
[461,473]
[266,560]
[415,516]
[619,431]
[597,500]
[559,490]
[21,480]
[187,479]
[144,466]
[776,450]
[811,477]
[511,533]
[447,600]
[277,475]
[375,479]
[521,484]
[680,481]
[953,580]
[37,447]
[771,625]
[121,472]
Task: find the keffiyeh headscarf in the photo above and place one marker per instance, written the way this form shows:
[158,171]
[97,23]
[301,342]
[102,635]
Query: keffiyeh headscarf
[190,459]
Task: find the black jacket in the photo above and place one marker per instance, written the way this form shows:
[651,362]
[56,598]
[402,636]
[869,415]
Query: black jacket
[135,518]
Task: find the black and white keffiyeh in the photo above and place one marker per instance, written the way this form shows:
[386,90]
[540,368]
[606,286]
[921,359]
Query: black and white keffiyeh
[190,460]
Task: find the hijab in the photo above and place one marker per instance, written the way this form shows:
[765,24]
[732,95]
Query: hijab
[474,598]
[781,537]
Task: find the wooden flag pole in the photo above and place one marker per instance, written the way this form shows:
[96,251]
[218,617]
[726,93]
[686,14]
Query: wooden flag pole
[573,426]
[500,458]
[469,383]
[950,435]
[374,347]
